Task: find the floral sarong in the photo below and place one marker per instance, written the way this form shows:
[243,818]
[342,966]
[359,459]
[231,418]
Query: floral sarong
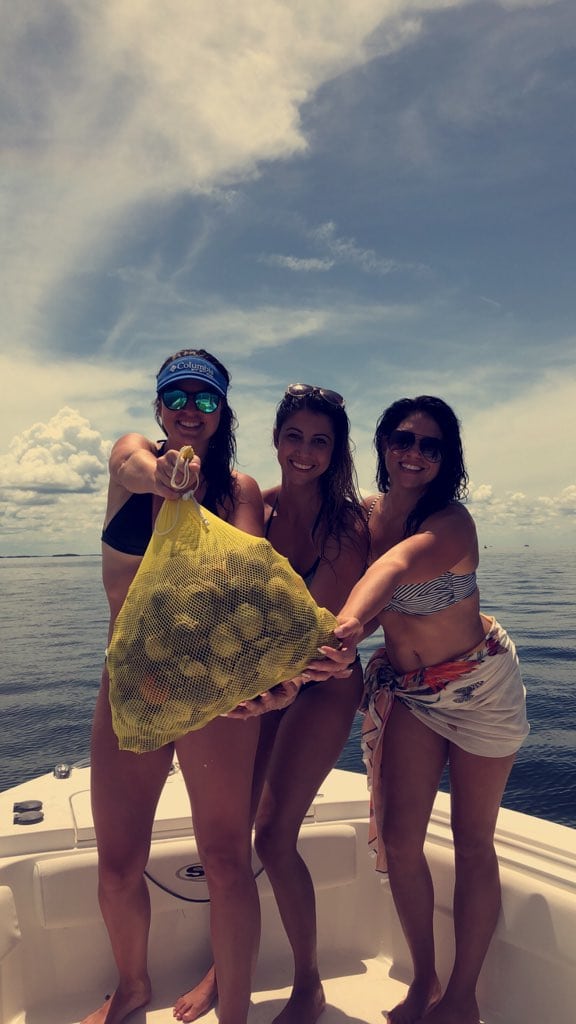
[477,701]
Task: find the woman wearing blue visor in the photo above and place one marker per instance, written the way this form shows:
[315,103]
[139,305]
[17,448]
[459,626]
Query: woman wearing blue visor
[192,408]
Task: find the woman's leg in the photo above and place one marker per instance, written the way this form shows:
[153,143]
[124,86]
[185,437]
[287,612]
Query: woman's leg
[309,739]
[413,757]
[125,791]
[477,785]
[218,763]
[198,1000]
[320,710]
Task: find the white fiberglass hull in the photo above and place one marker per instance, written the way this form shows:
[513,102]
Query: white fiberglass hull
[55,962]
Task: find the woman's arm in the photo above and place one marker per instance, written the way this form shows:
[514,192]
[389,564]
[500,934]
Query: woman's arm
[135,466]
[338,572]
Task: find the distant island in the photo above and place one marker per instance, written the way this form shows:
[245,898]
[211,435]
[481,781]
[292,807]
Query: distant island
[65,554]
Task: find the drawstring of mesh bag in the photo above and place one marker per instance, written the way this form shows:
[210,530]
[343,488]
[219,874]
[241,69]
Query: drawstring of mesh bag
[181,481]
[182,466]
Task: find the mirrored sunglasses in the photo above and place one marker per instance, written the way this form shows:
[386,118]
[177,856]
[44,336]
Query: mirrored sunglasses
[176,399]
[430,448]
[310,390]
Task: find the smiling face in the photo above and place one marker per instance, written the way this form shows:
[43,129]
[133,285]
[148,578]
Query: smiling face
[189,425]
[410,468]
[305,443]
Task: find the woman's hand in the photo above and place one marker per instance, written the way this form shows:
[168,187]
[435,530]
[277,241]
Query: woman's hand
[335,663]
[173,477]
[350,631]
[280,696]
[136,467]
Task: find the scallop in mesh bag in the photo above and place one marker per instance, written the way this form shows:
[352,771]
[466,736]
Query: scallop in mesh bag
[214,616]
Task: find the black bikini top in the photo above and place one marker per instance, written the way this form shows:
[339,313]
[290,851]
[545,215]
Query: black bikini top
[307,576]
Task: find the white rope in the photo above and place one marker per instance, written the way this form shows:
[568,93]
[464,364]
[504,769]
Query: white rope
[182,466]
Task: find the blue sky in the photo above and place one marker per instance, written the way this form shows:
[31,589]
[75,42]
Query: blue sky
[377,197]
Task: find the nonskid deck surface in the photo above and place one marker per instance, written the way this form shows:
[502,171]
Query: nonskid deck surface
[353,997]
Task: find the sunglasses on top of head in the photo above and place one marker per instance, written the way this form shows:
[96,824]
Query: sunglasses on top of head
[311,391]
[430,448]
[176,399]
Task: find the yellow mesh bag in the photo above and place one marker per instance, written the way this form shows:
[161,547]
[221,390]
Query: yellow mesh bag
[214,616]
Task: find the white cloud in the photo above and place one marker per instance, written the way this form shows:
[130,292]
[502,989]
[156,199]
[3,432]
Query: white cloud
[524,442]
[566,502]
[123,102]
[517,4]
[51,524]
[35,388]
[244,330]
[298,263]
[519,511]
[513,518]
[52,487]
[63,455]
[346,251]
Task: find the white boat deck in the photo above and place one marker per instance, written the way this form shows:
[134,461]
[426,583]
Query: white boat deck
[55,960]
[355,994]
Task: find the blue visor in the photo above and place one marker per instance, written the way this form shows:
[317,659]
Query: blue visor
[192,368]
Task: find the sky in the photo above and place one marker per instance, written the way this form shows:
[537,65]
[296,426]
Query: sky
[376,197]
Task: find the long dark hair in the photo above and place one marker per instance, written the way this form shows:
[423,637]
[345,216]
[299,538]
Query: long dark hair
[220,459]
[342,512]
[451,482]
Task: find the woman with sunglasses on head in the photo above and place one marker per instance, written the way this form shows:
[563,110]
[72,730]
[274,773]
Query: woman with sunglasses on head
[217,761]
[315,519]
[445,690]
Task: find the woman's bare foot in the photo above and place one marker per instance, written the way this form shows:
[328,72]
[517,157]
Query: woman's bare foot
[198,1000]
[124,1002]
[421,997]
[447,1011]
[304,1006]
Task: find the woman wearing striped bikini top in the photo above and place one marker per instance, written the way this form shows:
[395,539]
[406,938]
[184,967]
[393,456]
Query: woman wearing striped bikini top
[445,690]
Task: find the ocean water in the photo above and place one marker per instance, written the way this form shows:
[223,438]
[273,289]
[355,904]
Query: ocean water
[54,623]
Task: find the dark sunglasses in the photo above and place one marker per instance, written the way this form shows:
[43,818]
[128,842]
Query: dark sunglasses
[430,448]
[205,401]
[310,390]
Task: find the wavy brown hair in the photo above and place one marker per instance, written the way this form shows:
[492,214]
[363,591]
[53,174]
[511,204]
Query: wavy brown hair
[342,511]
[451,483]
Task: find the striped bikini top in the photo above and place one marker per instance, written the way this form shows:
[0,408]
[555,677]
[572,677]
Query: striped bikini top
[433,595]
